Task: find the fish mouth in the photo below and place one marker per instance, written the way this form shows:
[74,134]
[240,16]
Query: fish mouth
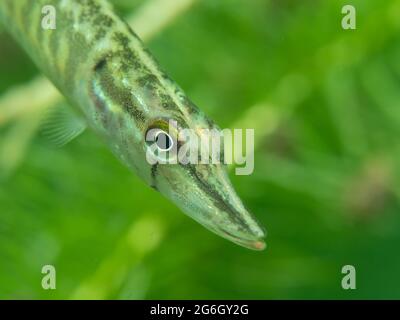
[234,223]
[237,226]
[251,238]
[254,241]
[257,244]
[211,200]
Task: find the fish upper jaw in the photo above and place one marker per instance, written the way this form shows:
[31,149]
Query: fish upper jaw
[213,203]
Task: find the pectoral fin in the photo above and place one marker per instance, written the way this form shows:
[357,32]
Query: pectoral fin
[61,125]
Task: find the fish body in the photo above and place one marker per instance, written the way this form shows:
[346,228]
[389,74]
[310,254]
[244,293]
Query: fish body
[103,69]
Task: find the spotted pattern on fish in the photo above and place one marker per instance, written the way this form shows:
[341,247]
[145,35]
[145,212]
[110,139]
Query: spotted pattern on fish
[103,69]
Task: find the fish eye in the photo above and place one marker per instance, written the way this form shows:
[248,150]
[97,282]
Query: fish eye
[163,141]
[162,137]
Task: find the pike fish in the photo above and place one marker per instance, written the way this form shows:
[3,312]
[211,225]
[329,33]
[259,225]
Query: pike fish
[107,75]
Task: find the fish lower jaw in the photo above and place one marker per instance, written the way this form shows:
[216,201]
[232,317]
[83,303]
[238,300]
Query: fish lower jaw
[253,243]
[256,244]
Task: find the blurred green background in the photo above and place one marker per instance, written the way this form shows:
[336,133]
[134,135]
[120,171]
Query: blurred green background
[325,106]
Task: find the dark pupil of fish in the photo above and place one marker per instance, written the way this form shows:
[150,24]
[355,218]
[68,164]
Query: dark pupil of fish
[163,141]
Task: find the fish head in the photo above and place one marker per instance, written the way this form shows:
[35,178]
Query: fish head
[202,188]
[149,125]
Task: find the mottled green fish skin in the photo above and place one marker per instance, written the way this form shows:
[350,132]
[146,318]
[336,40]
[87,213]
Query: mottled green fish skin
[103,69]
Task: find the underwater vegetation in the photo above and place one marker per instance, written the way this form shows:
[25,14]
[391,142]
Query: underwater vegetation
[324,105]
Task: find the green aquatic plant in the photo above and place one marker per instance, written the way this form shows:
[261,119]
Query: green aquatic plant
[323,103]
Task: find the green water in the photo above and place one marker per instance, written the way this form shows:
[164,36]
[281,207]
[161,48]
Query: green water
[326,179]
